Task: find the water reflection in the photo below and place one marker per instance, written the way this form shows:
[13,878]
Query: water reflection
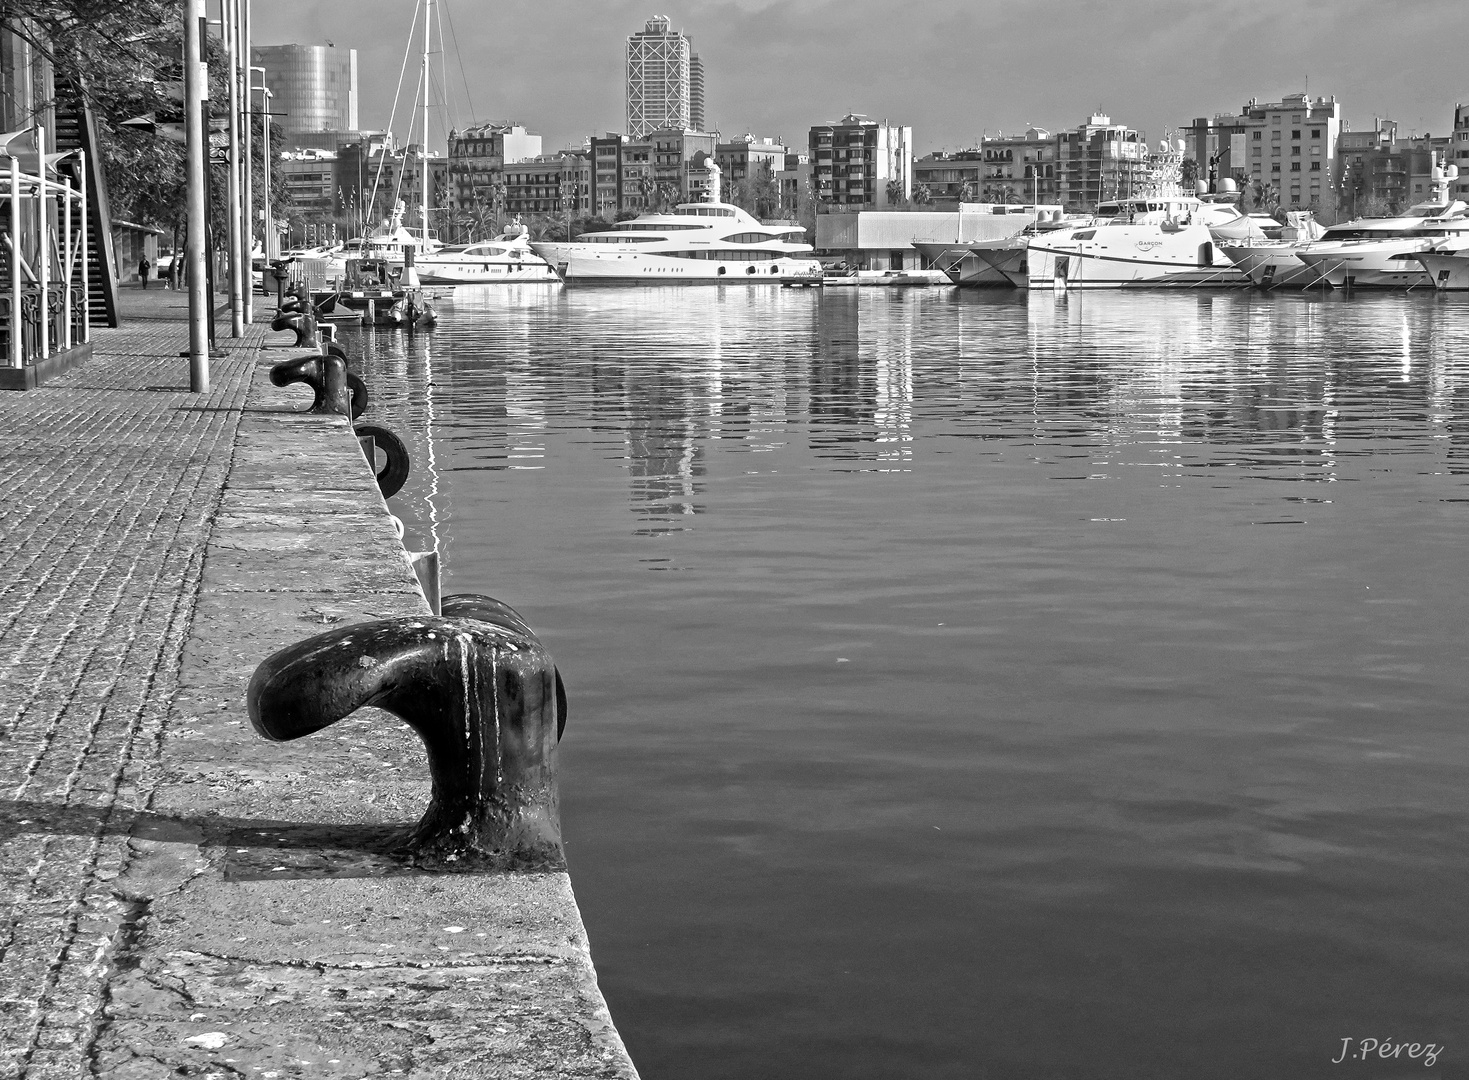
[1043,673]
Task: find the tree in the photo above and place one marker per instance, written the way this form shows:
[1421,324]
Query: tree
[895,192]
[1188,173]
[1266,196]
[922,196]
[765,192]
[966,191]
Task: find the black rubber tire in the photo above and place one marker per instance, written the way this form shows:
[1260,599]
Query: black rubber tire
[394,474]
[359,394]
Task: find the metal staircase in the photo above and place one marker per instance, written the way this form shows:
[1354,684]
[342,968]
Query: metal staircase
[77,130]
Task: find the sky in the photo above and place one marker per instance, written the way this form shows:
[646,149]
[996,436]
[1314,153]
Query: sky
[953,70]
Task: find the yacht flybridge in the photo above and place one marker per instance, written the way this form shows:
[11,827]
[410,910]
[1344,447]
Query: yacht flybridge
[710,243]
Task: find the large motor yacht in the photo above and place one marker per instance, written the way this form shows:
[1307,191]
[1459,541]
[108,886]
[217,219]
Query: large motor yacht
[1382,252]
[1447,264]
[1159,237]
[696,243]
[507,258]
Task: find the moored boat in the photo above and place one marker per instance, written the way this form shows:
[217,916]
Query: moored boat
[505,259]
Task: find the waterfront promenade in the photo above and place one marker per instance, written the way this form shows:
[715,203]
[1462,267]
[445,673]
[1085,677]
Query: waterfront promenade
[184,897]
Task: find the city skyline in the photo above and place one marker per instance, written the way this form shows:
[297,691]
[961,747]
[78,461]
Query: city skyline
[954,72]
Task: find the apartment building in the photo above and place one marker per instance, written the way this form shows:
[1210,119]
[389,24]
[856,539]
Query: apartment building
[478,155]
[860,162]
[1098,160]
[1382,171]
[1019,168]
[550,184]
[1292,145]
[951,177]
[1459,153]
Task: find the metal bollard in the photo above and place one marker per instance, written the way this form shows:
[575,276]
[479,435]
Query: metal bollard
[303,322]
[328,378]
[484,699]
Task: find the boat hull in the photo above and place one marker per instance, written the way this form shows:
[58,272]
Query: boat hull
[645,268]
[1379,264]
[1449,273]
[484,273]
[1135,256]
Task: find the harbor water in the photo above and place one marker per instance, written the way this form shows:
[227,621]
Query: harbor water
[976,684]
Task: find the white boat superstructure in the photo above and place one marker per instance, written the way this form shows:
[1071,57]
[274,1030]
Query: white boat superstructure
[696,243]
[1381,252]
[506,258]
[1007,259]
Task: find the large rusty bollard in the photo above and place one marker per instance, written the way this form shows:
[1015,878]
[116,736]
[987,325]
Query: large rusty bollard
[337,389]
[483,699]
[498,613]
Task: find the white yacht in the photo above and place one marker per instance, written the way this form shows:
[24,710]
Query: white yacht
[1149,240]
[1381,252]
[1006,258]
[1270,262]
[1447,264]
[697,243]
[1160,237]
[507,258]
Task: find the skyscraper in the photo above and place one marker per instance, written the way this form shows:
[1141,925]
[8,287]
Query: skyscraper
[665,81]
[314,85]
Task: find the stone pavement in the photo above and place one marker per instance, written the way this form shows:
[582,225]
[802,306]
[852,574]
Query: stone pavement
[185,898]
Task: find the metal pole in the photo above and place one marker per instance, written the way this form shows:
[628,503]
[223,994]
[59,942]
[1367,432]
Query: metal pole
[237,272]
[67,262]
[248,196]
[428,22]
[86,253]
[196,90]
[17,324]
[43,249]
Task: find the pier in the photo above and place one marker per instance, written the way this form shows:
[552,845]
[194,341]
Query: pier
[187,898]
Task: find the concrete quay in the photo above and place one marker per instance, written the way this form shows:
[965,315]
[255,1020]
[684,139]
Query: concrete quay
[186,899]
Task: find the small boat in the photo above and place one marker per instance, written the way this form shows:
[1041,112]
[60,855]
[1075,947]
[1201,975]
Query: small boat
[507,258]
[389,244]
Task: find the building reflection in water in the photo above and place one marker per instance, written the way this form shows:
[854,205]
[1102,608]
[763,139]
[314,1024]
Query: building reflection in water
[860,383]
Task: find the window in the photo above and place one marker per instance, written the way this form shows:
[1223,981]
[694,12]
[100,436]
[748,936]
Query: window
[1295,166]
[1275,166]
[1254,151]
[1275,136]
[1315,166]
[1295,151]
[1315,133]
[1257,136]
[1296,134]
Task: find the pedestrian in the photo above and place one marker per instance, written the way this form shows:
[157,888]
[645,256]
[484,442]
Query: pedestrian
[175,270]
[143,266]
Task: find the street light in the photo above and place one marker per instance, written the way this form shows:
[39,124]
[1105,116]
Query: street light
[269,241]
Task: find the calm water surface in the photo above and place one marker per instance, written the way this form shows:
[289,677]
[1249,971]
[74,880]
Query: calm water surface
[969,684]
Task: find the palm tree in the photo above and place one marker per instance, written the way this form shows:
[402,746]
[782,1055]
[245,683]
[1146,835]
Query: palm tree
[895,192]
[922,196]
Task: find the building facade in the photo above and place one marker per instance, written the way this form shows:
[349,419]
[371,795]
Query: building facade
[314,86]
[794,178]
[1459,153]
[1098,160]
[665,81]
[748,167]
[1019,168]
[550,184]
[1382,172]
[860,162]
[478,155]
[1292,146]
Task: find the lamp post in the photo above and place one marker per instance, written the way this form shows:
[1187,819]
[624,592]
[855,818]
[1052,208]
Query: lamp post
[196,90]
[268,240]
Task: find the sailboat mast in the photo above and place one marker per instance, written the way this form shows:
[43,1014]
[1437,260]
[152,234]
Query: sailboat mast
[428,23]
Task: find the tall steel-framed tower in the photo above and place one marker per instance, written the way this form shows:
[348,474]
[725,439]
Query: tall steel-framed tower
[665,81]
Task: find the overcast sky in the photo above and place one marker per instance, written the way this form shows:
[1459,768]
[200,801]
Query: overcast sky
[952,69]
